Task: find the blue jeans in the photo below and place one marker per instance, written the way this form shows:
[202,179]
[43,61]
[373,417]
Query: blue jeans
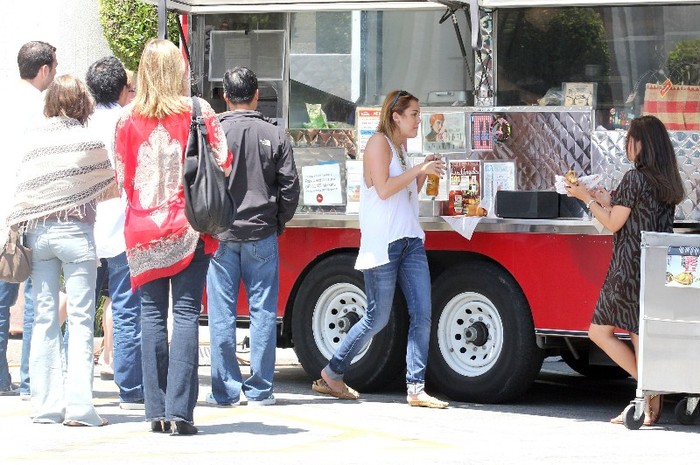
[256,263]
[408,265]
[28,324]
[170,381]
[126,318]
[8,297]
[67,246]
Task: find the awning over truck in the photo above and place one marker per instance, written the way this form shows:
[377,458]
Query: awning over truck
[254,6]
[553,3]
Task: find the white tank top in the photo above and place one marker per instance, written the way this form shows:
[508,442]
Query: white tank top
[384,221]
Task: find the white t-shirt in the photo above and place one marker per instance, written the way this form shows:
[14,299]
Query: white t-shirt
[109,223]
[384,221]
[23,110]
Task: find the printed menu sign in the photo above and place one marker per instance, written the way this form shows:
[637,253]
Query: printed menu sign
[681,267]
[321,184]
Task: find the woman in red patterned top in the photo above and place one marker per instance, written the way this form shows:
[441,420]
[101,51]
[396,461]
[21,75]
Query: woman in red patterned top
[162,248]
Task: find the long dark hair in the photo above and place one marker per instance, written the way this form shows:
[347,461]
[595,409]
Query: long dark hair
[657,159]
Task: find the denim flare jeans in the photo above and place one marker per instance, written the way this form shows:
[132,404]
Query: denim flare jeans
[170,380]
[256,263]
[8,297]
[67,245]
[126,318]
[408,265]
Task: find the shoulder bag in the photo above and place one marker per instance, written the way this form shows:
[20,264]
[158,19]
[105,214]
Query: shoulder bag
[209,205]
[16,259]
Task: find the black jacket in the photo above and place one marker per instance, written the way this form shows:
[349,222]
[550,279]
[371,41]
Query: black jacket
[264,183]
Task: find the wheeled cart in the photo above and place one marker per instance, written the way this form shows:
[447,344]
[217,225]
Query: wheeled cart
[669,324]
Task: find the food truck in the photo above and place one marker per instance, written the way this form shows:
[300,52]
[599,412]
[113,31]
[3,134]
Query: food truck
[513,93]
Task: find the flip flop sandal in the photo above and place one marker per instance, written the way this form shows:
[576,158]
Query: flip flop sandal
[426,401]
[74,423]
[347,393]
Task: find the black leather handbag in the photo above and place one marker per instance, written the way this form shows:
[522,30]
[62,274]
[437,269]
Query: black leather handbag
[209,204]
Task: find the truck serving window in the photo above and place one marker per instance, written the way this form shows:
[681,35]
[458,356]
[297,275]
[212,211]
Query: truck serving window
[620,49]
[343,59]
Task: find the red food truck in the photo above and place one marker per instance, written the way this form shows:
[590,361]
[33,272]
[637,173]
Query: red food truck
[525,90]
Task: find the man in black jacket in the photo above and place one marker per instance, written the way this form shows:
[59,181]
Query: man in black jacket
[266,189]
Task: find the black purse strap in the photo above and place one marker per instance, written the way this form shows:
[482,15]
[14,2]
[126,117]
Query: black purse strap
[196,109]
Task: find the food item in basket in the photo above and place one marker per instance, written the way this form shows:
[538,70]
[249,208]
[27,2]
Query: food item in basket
[571,177]
[686,278]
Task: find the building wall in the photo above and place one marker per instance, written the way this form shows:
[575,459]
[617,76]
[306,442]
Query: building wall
[72,26]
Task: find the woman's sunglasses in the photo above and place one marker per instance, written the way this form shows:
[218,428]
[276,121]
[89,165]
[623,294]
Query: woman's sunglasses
[399,94]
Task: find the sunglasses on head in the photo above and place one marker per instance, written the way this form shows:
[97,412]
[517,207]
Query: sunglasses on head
[399,94]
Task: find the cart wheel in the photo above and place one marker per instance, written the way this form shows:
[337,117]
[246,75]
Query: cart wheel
[630,421]
[682,415]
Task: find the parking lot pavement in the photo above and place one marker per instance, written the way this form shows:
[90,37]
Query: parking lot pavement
[562,419]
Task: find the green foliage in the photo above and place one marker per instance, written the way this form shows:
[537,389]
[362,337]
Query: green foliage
[684,62]
[553,45]
[128,24]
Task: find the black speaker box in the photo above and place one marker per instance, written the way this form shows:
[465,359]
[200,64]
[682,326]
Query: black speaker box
[571,207]
[527,204]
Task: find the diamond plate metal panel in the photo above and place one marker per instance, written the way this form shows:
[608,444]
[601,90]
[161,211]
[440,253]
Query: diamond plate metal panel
[609,159]
[543,144]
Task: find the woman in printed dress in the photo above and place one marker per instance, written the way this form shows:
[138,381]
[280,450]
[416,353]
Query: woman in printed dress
[165,254]
[645,200]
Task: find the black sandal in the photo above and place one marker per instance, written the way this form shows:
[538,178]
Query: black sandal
[182,428]
[160,426]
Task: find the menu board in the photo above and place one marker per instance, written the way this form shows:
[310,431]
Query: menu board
[465,176]
[321,184]
[497,176]
[367,123]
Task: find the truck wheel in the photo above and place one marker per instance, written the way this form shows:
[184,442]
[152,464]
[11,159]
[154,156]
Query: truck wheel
[483,345]
[330,300]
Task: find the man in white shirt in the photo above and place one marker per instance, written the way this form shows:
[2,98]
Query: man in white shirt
[107,80]
[24,109]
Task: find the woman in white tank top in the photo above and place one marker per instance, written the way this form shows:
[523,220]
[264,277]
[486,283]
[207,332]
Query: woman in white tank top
[391,250]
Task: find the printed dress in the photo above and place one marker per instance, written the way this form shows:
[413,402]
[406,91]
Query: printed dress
[618,303]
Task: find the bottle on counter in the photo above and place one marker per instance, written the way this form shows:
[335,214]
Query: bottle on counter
[454,204]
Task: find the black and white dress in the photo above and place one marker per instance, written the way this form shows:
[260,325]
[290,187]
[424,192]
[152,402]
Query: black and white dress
[618,303]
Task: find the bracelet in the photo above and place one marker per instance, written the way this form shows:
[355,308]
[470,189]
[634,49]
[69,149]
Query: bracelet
[588,205]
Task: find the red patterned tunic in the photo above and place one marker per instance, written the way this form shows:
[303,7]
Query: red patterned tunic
[149,155]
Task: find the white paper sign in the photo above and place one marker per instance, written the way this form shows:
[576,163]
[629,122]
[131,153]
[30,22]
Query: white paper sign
[321,184]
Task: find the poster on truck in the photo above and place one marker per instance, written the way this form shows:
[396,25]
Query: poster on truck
[681,267]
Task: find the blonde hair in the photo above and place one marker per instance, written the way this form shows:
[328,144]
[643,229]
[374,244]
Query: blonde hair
[69,97]
[162,81]
[396,101]
[130,81]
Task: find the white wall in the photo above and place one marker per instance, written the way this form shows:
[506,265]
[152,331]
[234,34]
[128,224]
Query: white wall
[72,26]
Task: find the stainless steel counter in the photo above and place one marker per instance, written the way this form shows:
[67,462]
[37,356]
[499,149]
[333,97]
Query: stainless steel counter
[548,226]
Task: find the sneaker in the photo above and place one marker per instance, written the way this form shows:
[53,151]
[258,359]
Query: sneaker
[270,400]
[11,390]
[132,405]
[210,400]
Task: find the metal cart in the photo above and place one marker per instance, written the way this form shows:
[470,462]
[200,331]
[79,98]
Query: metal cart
[669,324]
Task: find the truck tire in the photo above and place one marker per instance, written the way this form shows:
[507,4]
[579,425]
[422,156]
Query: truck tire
[483,346]
[330,300]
